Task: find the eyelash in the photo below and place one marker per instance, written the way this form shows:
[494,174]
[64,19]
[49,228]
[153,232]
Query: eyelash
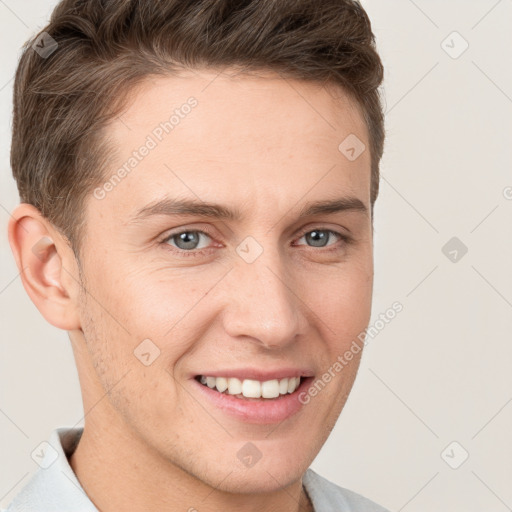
[200,252]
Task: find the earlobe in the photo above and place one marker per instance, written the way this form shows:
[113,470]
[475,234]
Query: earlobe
[41,256]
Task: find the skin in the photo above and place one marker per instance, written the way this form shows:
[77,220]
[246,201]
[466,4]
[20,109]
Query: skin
[266,146]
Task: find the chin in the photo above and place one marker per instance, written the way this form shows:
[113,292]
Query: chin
[256,481]
[264,476]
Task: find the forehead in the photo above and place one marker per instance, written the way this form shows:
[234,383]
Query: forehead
[252,102]
[227,136]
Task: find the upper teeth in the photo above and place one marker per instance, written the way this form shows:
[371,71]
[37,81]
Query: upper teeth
[252,388]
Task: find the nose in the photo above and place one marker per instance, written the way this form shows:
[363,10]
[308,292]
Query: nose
[262,304]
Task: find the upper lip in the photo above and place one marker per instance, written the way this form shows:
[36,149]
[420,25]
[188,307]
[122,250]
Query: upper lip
[257,374]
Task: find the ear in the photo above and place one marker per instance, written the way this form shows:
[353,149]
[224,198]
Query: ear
[47,265]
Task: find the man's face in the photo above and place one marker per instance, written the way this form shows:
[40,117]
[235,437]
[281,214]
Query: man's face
[171,296]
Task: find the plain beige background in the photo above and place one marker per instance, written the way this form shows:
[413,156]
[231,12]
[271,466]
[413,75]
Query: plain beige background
[435,384]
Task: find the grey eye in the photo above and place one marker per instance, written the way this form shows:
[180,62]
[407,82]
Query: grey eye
[187,240]
[318,237]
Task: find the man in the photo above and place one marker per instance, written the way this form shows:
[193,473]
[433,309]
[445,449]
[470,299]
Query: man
[197,182]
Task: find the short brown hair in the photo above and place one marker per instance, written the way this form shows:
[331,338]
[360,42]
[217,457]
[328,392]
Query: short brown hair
[62,101]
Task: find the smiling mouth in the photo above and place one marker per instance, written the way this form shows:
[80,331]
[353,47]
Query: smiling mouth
[249,389]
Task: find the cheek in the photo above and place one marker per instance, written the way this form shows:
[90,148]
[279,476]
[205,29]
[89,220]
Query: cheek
[128,356]
[159,305]
[168,306]
[341,297]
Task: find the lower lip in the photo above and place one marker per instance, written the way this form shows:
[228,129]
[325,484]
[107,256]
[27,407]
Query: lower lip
[266,411]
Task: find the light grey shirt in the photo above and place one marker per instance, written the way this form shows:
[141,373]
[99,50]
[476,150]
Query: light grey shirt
[55,488]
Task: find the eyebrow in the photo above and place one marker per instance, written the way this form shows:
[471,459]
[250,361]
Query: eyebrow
[169,206]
